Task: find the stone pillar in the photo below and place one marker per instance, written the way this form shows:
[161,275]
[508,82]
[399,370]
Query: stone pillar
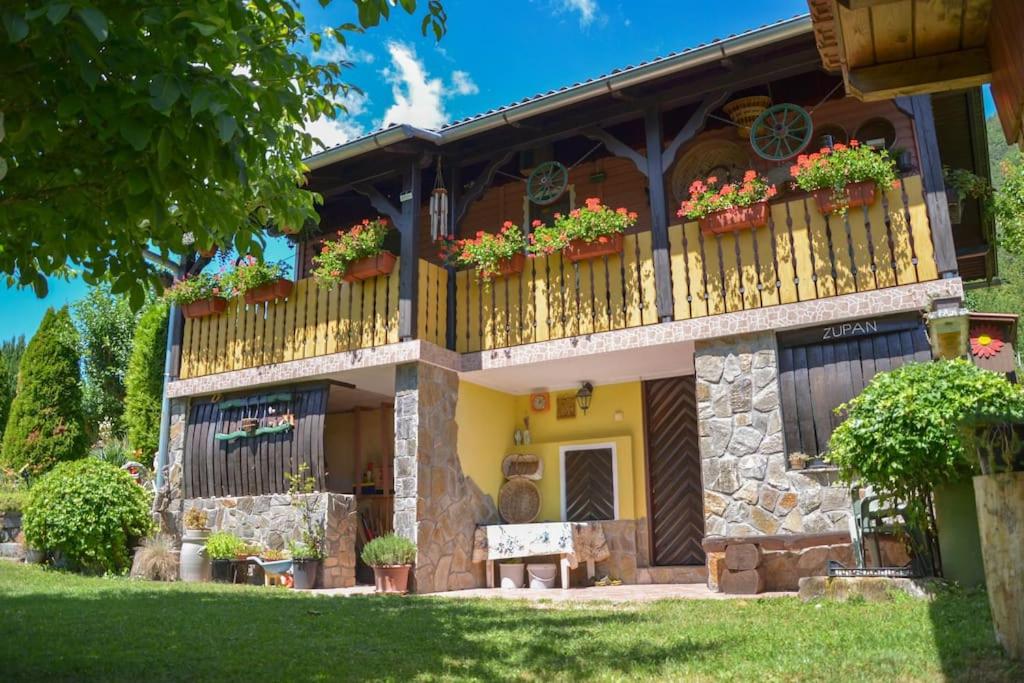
[436,505]
[748,488]
[167,504]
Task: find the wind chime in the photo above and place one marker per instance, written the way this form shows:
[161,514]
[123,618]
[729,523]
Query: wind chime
[438,205]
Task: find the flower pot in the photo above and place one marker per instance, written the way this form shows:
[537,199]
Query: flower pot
[797,463]
[511,266]
[857,194]
[392,578]
[371,266]
[304,573]
[999,499]
[512,574]
[205,307]
[735,218]
[578,250]
[195,565]
[221,571]
[278,289]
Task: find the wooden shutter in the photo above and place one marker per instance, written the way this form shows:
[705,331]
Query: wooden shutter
[589,485]
[815,378]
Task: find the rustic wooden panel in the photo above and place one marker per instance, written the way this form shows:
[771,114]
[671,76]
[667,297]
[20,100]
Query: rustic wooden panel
[893,30]
[1005,26]
[674,473]
[589,485]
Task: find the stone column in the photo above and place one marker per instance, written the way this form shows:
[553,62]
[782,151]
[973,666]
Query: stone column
[167,503]
[436,505]
[748,488]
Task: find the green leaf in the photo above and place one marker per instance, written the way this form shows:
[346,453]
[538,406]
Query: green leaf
[206,30]
[315,39]
[136,133]
[95,21]
[68,106]
[164,149]
[226,127]
[164,92]
[15,25]
[57,11]
[3,168]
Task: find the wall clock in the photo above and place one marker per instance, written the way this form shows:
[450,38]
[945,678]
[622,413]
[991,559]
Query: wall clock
[540,402]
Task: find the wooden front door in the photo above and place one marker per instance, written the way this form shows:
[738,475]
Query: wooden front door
[675,489]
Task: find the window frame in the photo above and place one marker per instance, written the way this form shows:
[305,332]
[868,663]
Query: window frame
[563,449]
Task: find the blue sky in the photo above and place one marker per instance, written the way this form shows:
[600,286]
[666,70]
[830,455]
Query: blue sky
[495,52]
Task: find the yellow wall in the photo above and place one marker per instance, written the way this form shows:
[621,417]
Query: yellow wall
[488,418]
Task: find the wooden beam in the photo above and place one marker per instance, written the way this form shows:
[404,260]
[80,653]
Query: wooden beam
[938,73]
[408,227]
[480,185]
[454,190]
[618,147]
[659,215]
[694,125]
[865,4]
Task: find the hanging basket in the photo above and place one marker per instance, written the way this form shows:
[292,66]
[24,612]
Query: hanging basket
[578,250]
[745,110]
[735,218]
[371,266]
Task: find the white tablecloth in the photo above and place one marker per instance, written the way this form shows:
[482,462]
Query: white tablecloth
[577,541]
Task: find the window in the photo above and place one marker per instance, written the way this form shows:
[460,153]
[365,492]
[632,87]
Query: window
[546,213]
[590,486]
[821,368]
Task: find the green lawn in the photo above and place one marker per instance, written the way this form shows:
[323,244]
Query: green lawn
[57,626]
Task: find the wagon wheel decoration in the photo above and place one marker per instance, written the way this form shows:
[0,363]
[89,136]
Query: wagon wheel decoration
[547,182]
[781,131]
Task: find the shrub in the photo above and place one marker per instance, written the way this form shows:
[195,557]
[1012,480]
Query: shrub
[223,545]
[485,251]
[361,241]
[89,511]
[595,222]
[707,196]
[144,381]
[156,560]
[389,550]
[251,273]
[46,425]
[11,351]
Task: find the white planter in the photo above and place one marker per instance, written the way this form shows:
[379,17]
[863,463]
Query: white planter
[542,575]
[512,574]
[195,564]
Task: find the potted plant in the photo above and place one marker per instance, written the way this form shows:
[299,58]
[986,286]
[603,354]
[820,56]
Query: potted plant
[798,460]
[258,281]
[358,254]
[199,295]
[729,207]
[221,548]
[391,557]
[844,176]
[961,184]
[306,561]
[307,555]
[590,232]
[492,255]
[195,564]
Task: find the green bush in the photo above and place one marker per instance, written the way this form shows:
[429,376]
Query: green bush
[389,550]
[224,545]
[46,425]
[89,511]
[13,501]
[144,381]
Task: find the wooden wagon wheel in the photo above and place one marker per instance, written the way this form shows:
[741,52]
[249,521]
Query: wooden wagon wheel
[547,183]
[781,131]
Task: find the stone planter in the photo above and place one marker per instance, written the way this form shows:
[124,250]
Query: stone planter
[392,578]
[578,250]
[304,573]
[1000,502]
[736,218]
[205,307]
[278,289]
[857,194]
[371,266]
[195,564]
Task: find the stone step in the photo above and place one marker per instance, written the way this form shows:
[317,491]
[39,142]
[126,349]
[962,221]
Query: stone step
[12,551]
[680,574]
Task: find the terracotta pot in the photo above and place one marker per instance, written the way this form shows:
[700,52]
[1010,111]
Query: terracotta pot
[857,194]
[278,289]
[392,578]
[371,266]
[511,266]
[578,250]
[205,307]
[736,218]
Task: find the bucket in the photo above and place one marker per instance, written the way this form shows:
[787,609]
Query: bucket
[542,575]
[512,574]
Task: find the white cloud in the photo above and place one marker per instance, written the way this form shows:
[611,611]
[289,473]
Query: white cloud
[333,132]
[462,83]
[587,9]
[419,99]
[343,53]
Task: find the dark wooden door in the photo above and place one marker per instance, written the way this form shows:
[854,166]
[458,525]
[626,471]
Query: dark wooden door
[675,496]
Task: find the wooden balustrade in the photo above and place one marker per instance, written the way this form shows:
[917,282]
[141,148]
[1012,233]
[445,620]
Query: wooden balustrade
[432,318]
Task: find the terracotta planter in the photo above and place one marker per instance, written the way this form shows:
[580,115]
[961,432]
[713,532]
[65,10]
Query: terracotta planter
[393,578]
[857,194]
[736,218]
[278,289]
[511,266]
[371,266]
[205,307]
[578,250]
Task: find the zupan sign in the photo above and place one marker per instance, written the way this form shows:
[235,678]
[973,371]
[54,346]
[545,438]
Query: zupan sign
[850,330]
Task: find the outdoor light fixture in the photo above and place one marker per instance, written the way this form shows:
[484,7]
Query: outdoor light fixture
[583,396]
[947,328]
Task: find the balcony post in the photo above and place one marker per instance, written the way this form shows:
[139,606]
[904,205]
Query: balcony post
[408,228]
[659,214]
[455,187]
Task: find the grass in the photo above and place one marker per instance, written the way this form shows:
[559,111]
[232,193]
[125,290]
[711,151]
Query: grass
[58,626]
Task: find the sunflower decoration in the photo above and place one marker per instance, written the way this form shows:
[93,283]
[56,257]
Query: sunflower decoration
[986,341]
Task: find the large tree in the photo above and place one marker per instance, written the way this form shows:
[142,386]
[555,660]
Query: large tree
[144,380]
[126,124]
[11,351]
[46,425]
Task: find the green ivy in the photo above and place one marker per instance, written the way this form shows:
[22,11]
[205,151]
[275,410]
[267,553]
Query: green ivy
[90,512]
[144,380]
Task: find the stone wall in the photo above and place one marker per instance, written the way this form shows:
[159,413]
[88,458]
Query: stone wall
[436,505]
[272,521]
[748,487]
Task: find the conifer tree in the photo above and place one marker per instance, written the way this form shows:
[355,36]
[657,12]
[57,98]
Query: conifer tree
[144,380]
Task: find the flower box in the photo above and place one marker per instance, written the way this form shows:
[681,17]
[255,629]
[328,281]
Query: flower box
[857,194]
[511,266]
[278,289]
[735,218]
[205,307]
[371,266]
[578,250]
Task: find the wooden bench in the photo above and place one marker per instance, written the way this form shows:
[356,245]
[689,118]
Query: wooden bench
[744,572]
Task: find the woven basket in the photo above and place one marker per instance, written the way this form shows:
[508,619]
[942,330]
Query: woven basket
[745,111]
[521,465]
[519,501]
